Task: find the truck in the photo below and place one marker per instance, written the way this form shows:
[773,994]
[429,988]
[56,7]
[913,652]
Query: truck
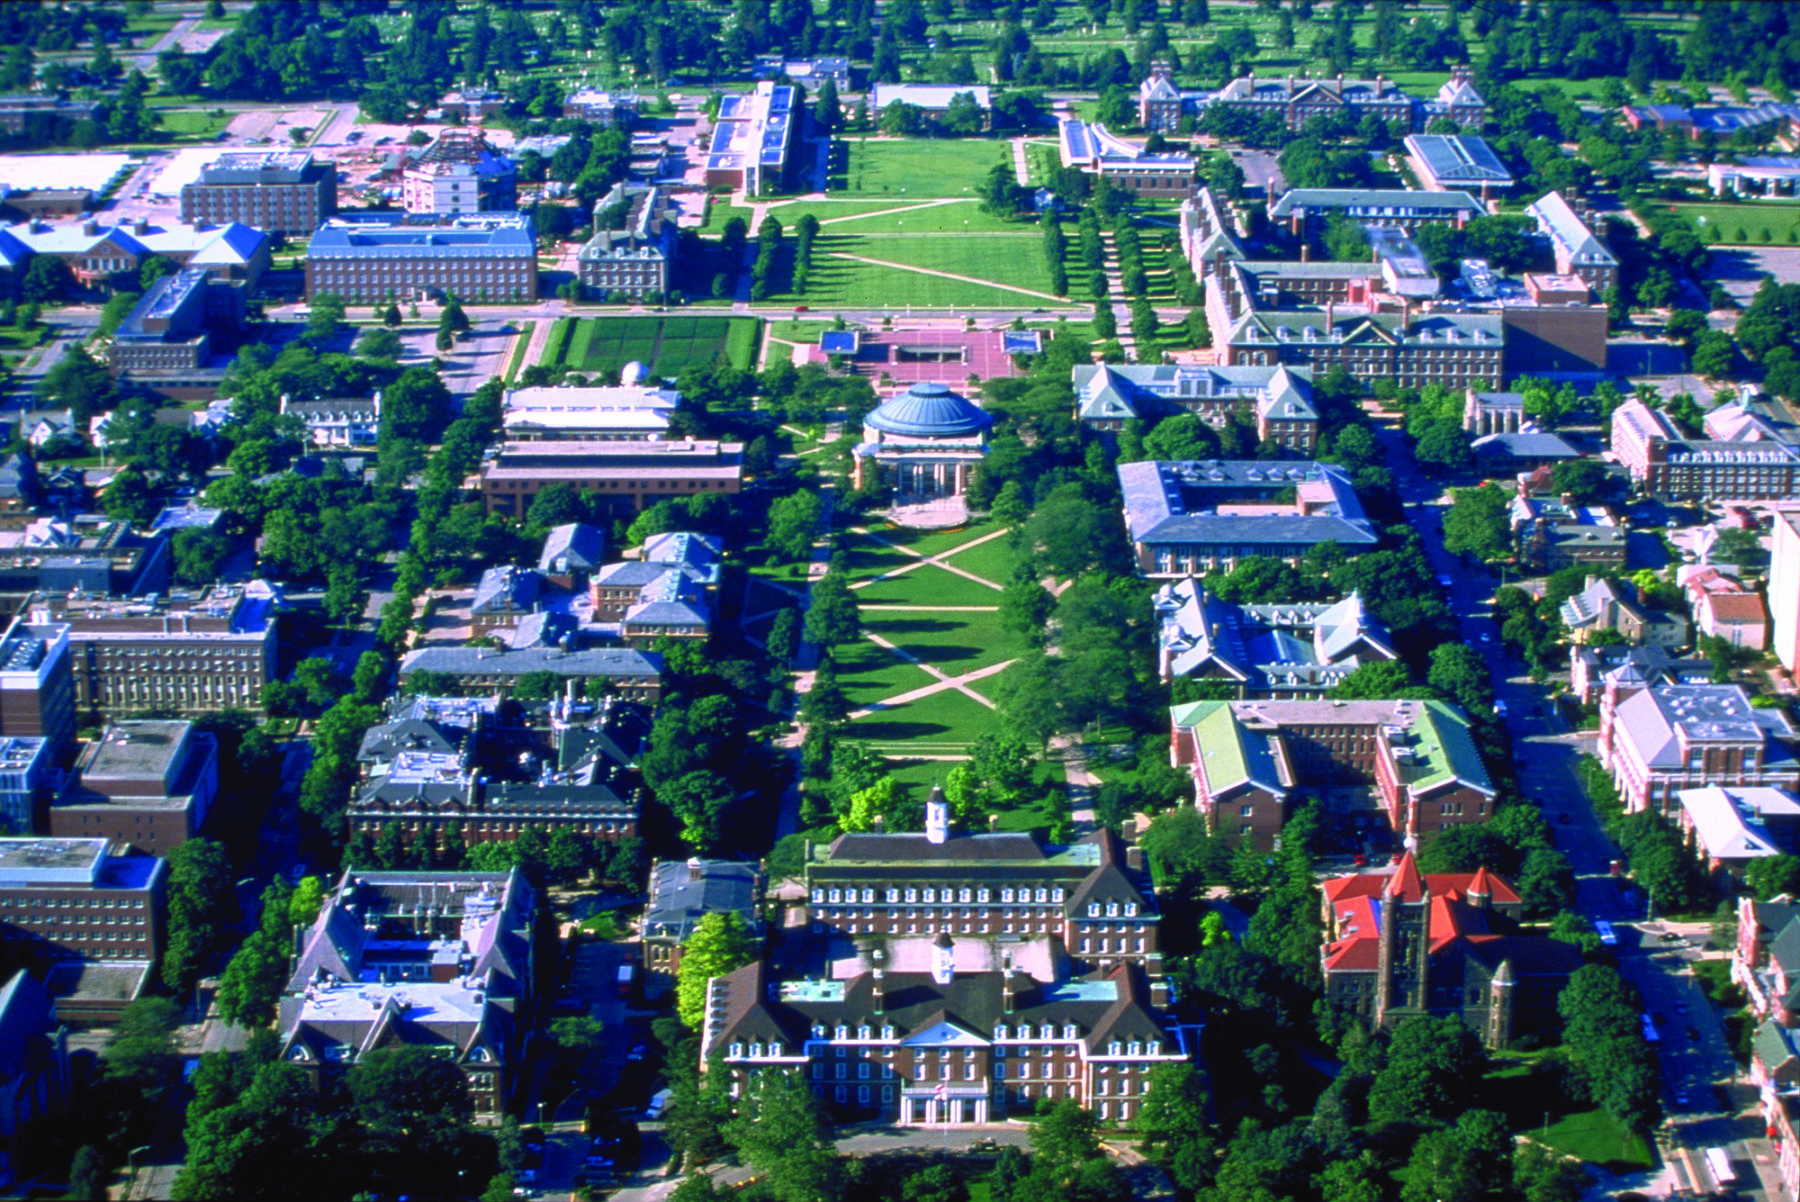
[626,979]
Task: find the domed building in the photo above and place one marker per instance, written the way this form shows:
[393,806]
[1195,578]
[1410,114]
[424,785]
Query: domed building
[923,443]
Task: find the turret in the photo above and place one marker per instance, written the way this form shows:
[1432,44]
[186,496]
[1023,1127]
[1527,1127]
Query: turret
[943,959]
[937,816]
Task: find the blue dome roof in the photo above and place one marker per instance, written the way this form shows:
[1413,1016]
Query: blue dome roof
[928,411]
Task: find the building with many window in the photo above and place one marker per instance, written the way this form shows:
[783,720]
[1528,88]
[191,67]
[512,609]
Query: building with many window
[91,922]
[90,555]
[1551,532]
[1199,516]
[441,960]
[632,411]
[37,692]
[1107,395]
[1251,761]
[485,257]
[626,477]
[146,786]
[1299,649]
[1753,466]
[170,328]
[41,112]
[190,651]
[602,108]
[1299,99]
[281,191]
[1097,151]
[752,137]
[111,256]
[459,173]
[477,671]
[1660,740]
[633,258]
[919,1041]
[1784,589]
[682,892]
[1306,210]
[1578,250]
[931,99]
[1092,895]
[1402,944]
[1456,350]
[1446,163]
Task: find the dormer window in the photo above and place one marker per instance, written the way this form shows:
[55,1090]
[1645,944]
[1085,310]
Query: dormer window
[1114,1048]
[930,896]
[818,896]
[1137,1049]
[1093,909]
[479,1055]
[1046,1031]
[887,1030]
[836,896]
[1112,909]
[737,1049]
[1131,909]
[999,1030]
[893,896]
[843,1032]
[964,897]
[1056,895]
[1006,896]
[981,896]
[912,895]
[1156,1047]
[1068,1030]
[862,1032]
[818,1031]
[756,1050]
[868,895]
[1041,897]
[775,1048]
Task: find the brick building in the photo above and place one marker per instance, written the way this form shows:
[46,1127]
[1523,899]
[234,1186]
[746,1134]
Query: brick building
[1577,249]
[602,108]
[1092,895]
[281,191]
[170,328]
[1456,350]
[634,258]
[1107,395]
[1401,944]
[1299,650]
[1666,465]
[459,173]
[70,908]
[682,892]
[920,1041]
[37,692]
[144,786]
[445,960]
[1660,740]
[1252,760]
[477,257]
[1096,151]
[91,555]
[1305,211]
[628,477]
[191,651]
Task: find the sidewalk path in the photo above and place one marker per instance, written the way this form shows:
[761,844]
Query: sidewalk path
[959,683]
[941,560]
[948,275]
[1019,165]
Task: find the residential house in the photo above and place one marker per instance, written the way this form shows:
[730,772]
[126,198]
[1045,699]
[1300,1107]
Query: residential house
[338,421]
[1606,604]
[1724,608]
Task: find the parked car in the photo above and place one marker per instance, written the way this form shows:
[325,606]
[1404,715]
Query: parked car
[658,1104]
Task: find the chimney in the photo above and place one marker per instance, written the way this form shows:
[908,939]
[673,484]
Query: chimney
[993,824]
[937,816]
[1380,86]
[878,994]
[1330,309]
[880,823]
[1134,858]
[943,960]
[1009,983]
[1306,252]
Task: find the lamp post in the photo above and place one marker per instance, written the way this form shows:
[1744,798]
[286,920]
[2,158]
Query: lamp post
[131,1160]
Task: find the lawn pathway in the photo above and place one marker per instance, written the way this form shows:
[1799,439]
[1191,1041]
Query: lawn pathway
[959,683]
[948,275]
[1019,166]
[905,208]
[940,559]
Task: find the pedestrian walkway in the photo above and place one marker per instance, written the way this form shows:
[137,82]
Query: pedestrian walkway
[941,560]
[959,683]
[1020,167]
[948,275]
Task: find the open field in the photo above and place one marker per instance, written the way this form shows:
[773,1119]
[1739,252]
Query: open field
[941,167]
[928,585]
[1765,222]
[994,560]
[867,673]
[945,723]
[905,217]
[850,283]
[952,643]
[666,345]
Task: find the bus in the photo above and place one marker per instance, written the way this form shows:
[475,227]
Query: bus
[627,978]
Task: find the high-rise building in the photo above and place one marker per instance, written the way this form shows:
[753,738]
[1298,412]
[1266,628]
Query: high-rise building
[1784,589]
[281,191]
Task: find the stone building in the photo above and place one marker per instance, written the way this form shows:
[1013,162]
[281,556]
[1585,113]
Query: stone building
[923,443]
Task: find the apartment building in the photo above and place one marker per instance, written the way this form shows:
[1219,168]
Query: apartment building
[1299,649]
[1666,465]
[282,191]
[1252,760]
[143,786]
[445,960]
[914,1038]
[1107,395]
[1203,516]
[1660,740]
[1403,944]
[488,257]
[634,259]
[190,651]
[626,476]
[1299,99]
[459,173]
[1093,895]
[37,692]
[90,921]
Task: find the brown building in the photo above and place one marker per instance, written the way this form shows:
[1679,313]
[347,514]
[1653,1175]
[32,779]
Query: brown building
[1457,350]
[281,191]
[473,671]
[194,652]
[1400,944]
[477,256]
[144,786]
[1559,338]
[1251,760]
[1092,895]
[71,907]
[445,960]
[628,477]
[682,892]
[90,555]
[27,204]
[947,1045]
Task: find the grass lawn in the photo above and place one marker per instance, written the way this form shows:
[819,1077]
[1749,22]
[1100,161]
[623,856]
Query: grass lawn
[196,123]
[1522,1087]
[795,330]
[935,542]
[719,215]
[1596,1136]
[993,560]
[868,673]
[945,723]
[890,217]
[868,558]
[789,211]
[1014,261]
[919,167]
[952,643]
[928,585]
[667,345]
[1769,223]
[1015,257]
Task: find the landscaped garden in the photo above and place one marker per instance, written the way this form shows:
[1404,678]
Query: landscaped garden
[667,346]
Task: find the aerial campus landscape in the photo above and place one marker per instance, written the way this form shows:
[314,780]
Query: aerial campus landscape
[900,600]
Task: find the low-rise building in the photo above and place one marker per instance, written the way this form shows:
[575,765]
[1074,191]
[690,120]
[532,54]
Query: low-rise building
[338,421]
[90,555]
[1203,516]
[459,172]
[146,786]
[1493,412]
[634,258]
[918,1040]
[44,204]
[476,257]
[1096,151]
[1402,944]
[1456,350]
[1300,649]
[167,330]
[1510,454]
[628,477]
[474,671]
[931,99]
[601,107]
[1666,465]
[282,191]
[112,256]
[1306,210]
[572,552]
[91,922]
[1663,739]
[1251,761]
[1730,827]
[1577,249]
[809,73]
[1458,163]
[924,443]
[1107,395]
[40,113]
[1551,532]
[682,892]
[1756,175]
[190,651]
[1724,608]
[633,411]
[752,138]
[1624,670]
[438,959]
[1606,605]
[475,104]
[1784,588]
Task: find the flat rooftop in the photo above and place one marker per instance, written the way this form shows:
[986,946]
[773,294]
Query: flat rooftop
[137,750]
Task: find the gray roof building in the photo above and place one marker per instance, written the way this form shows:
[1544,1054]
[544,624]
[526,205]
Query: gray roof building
[635,674]
[682,892]
[1457,161]
[1294,650]
[571,550]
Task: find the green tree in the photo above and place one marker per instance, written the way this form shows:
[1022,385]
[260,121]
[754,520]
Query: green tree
[47,278]
[1469,1162]
[1428,1060]
[1477,523]
[833,617]
[88,1174]
[1025,608]
[1172,1124]
[720,943]
[199,911]
[794,525]
[1771,876]
[779,1130]
[578,1034]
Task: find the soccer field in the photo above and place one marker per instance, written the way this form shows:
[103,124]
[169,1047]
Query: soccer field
[667,346]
